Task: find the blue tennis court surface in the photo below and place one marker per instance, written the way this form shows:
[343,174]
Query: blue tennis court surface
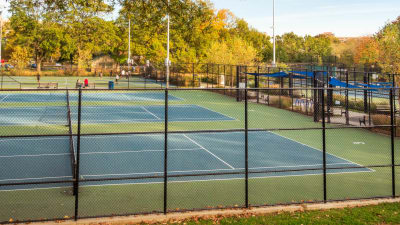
[121,156]
[91,96]
[107,114]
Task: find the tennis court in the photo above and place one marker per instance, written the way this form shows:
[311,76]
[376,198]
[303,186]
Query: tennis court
[119,156]
[94,96]
[32,116]
[122,154]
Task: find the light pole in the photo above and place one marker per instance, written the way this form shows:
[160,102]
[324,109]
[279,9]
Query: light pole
[129,43]
[273,34]
[1,36]
[167,59]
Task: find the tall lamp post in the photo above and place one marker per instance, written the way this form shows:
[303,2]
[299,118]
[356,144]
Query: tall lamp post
[167,59]
[129,43]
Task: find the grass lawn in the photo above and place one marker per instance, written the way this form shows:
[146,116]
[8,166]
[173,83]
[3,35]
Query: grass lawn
[388,213]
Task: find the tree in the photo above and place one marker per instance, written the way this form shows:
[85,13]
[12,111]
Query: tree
[367,52]
[20,57]
[34,28]
[389,45]
[235,52]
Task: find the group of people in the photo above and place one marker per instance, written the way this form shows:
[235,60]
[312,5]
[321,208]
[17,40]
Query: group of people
[117,77]
[85,83]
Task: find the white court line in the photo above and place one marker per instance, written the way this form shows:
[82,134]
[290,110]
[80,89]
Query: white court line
[208,151]
[36,178]
[4,97]
[37,155]
[140,151]
[150,113]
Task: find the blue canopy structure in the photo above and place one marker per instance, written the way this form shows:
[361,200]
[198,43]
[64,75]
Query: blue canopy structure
[337,83]
[278,74]
[308,73]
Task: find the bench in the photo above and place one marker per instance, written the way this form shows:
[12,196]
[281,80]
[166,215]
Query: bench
[48,85]
[332,109]
[264,98]
[383,109]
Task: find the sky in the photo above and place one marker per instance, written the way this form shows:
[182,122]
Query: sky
[344,18]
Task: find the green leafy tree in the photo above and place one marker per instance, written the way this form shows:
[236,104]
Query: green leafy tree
[34,28]
[389,45]
[20,57]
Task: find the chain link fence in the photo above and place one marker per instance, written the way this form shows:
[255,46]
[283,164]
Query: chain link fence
[70,154]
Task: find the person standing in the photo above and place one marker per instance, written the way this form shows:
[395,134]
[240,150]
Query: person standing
[122,73]
[38,78]
[78,83]
[116,78]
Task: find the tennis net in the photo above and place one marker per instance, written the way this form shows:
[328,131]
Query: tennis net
[71,139]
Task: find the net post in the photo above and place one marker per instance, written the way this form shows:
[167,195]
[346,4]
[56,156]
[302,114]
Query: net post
[246,140]
[324,143]
[165,150]
[392,143]
[78,154]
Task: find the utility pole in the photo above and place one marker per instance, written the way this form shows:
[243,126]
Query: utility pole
[167,59]
[273,33]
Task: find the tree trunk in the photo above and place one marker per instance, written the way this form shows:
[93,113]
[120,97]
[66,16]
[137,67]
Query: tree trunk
[38,65]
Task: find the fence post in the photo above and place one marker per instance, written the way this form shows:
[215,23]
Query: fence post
[257,83]
[193,75]
[246,140]
[366,81]
[394,103]
[165,150]
[324,142]
[237,83]
[347,98]
[392,143]
[78,151]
